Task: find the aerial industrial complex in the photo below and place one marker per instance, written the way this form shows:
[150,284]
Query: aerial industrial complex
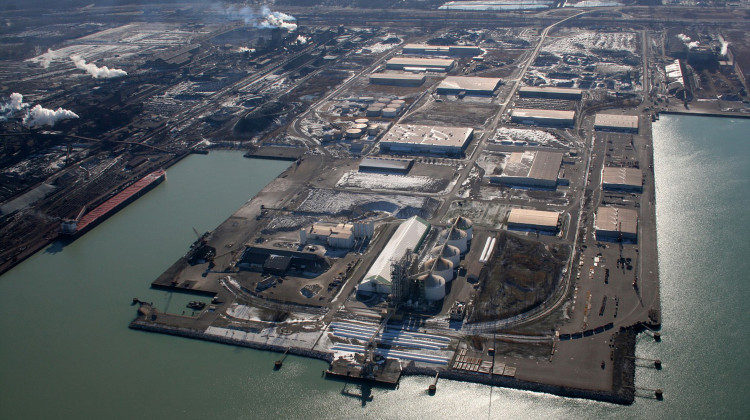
[470,195]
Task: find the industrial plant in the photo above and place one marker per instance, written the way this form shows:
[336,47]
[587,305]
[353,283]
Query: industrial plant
[470,192]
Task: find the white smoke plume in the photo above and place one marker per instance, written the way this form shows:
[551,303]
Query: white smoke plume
[40,116]
[103,72]
[684,38]
[724,47]
[264,18]
[693,45]
[47,58]
[13,105]
[302,40]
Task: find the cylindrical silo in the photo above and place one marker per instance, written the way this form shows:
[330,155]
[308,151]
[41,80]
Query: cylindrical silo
[457,238]
[434,286]
[450,253]
[442,267]
[465,224]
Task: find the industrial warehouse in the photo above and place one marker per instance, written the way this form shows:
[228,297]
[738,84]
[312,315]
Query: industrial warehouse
[397,79]
[531,169]
[533,219]
[616,223]
[622,179]
[616,122]
[458,50]
[546,117]
[422,139]
[423,64]
[550,92]
[454,85]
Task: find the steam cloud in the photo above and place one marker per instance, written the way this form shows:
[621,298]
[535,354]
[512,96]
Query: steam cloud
[103,72]
[264,18]
[13,105]
[40,116]
[724,47]
[687,41]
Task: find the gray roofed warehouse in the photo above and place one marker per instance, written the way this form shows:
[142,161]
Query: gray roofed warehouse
[625,179]
[548,117]
[616,223]
[551,92]
[616,122]
[531,169]
[453,85]
[399,63]
[393,79]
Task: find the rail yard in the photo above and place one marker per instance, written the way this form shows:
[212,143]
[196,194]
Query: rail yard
[468,194]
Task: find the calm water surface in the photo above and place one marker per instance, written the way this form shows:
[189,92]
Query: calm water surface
[66,351]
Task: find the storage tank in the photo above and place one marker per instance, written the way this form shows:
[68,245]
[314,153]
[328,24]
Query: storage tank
[442,267]
[362,127]
[361,121]
[450,253]
[396,105]
[373,129]
[457,238]
[390,112]
[374,111]
[400,102]
[434,286]
[353,133]
[464,224]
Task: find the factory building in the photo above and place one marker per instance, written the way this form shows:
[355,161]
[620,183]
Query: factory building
[622,179]
[550,92]
[548,117]
[454,85]
[459,50]
[427,64]
[616,122]
[393,79]
[408,236]
[386,165]
[337,235]
[616,223]
[531,169]
[406,138]
[533,219]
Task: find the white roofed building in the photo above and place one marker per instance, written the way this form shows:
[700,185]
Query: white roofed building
[423,139]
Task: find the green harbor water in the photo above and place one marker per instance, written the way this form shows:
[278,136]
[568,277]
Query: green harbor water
[66,351]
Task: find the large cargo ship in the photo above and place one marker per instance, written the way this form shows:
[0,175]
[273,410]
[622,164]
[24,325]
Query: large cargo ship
[85,222]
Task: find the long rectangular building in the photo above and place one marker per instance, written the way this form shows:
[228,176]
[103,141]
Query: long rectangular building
[533,219]
[453,85]
[616,122]
[616,223]
[531,169]
[409,235]
[550,92]
[407,138]
[622,179]
[396,79]
[461,50]
[433,64]
[548,117]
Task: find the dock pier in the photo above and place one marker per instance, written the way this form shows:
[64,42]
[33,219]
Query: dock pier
[433,386]
[278,363]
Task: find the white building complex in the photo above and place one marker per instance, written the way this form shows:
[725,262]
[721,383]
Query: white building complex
[531,169]
[454,85]
[616,122]
[622,179]
[616,223]
[409,235]
[423,139]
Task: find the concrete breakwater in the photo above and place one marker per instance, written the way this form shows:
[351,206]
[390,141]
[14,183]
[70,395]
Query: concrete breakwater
[186,332]
[622,384]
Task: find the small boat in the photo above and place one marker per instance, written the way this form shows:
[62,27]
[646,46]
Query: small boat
[196,305]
